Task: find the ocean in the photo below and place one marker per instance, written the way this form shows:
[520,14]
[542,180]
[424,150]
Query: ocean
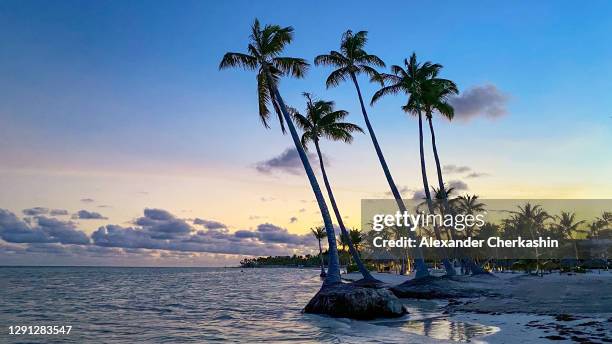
[196,305]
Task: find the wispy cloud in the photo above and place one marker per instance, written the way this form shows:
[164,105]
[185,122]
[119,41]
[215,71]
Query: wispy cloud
[287,162]
[210,224]
[88,215]
[455,169]
[477,175]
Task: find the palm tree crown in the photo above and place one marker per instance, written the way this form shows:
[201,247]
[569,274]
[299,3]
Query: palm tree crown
[435,96]
[412,81]
[469,205]
[351,60]
[567,224]
[266,44]
[319,233]
[322,120]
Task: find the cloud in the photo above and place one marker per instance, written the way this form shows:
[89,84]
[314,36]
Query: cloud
[477,175]
[35,211]
[87,200]
[267,199]
[269,233]
[458,185]
[40,229]
[402,190]
[158,229]
[287,162]
[88,215]
[268,239]
[58,212]
[455,169]
[160,224]
[418,195]
[210,224]
[293,219]
[486,101]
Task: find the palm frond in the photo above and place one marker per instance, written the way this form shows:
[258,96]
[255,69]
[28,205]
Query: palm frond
[387,90]
[334,58]
[238,60]
[371,60]
[294,66]
[336,77]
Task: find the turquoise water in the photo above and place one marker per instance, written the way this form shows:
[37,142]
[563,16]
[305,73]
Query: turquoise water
[194,305]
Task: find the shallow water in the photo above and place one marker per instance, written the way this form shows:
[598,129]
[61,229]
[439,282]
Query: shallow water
[168,305]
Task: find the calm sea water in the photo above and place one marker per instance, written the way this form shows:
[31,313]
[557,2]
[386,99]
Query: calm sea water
[198,305]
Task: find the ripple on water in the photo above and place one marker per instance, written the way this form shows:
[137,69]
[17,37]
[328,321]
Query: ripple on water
[153,305]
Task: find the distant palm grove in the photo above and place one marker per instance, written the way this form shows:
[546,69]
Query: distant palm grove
[426,94]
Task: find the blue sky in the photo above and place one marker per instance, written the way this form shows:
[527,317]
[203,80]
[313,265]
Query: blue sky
[122,102]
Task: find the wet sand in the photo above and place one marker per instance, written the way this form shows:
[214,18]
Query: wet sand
[555,307]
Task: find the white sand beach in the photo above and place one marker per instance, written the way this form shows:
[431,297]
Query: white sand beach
[523,308]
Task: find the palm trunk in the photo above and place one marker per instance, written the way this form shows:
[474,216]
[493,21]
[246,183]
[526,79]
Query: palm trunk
[421,268]
[450,270]
[473,266]
[364,272]
[322,261]
[333,267]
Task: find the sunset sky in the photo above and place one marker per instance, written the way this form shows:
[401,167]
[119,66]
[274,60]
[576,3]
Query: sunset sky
[109,108]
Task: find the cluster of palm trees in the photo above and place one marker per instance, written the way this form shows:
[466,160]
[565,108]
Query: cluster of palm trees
[528,220]
[427,93]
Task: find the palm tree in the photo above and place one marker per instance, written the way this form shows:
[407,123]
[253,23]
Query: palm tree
[567,226]
[320,234]
[266,45]
[412,81]
[532,217]
[469,205]
[435,94]
[351,61]
[322,120]
[356,238]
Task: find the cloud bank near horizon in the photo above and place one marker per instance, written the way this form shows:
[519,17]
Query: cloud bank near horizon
[157,230]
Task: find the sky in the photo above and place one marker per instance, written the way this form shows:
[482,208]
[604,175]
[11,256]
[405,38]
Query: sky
[115,120]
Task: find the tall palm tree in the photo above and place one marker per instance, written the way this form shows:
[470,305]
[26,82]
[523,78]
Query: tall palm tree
[436,93]
[322,120]
[264,50]
[567,226]
[351,61]
[412,81]
[320,234]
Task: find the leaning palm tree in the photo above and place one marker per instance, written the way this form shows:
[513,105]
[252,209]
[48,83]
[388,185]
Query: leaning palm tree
[264,50]
[323,121]
[567,226]
[320,234]
[412,81]
[351,61]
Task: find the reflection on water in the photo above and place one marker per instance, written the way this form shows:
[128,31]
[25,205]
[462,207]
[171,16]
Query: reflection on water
[445,329]
[168,305]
